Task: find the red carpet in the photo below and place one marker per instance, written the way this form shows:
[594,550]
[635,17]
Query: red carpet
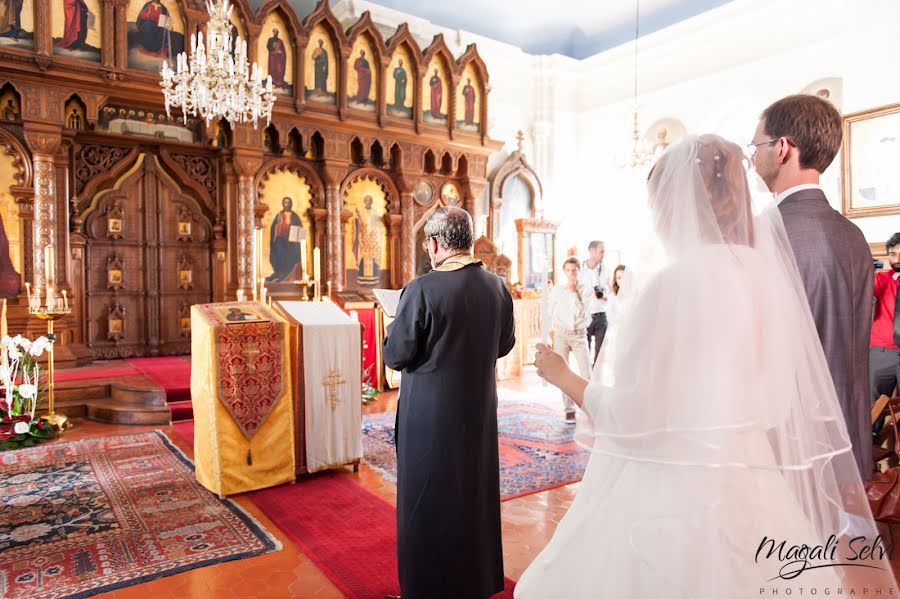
[85,374]
[84,517]
[348,532]
[173,374]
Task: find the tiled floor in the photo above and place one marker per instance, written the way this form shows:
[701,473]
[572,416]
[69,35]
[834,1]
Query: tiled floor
[528,523]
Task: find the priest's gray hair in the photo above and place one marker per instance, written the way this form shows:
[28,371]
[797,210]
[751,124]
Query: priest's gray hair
[452,227]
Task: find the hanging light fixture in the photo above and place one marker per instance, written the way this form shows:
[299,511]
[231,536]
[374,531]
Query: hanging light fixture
[217,80]
[639,154]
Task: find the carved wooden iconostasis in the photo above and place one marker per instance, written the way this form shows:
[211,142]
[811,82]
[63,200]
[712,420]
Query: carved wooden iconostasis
[148,213]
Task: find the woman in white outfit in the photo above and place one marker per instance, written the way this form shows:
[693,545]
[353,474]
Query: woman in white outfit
[722,431]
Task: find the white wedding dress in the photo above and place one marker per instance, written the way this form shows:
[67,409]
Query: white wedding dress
[719,426]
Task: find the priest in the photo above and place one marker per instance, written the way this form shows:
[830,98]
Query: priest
[452,325]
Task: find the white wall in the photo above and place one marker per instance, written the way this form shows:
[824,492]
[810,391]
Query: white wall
[714,73]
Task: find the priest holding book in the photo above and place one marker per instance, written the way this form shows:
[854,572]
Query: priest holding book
[452,325]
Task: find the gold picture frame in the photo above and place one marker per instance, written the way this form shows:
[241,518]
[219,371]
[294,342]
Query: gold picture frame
[870,153]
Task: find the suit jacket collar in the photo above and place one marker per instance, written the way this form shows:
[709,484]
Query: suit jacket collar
[814,193]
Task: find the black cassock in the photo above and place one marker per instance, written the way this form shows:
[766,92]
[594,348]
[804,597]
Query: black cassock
[451,327]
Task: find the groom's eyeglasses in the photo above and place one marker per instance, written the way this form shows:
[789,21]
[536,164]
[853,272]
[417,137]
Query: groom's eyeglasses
[752,148]
[426,243]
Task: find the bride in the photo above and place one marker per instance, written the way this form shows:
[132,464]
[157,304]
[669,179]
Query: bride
[719,435]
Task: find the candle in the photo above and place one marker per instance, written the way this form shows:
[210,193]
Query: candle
[304,265]
[317,266]
[240,295]
[48,265]
[262,293]
[65,299]
[28,291]
[50,298]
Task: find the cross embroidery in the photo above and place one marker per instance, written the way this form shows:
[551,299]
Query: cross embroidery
[330,382]
[250,351]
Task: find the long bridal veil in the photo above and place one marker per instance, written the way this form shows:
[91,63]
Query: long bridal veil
[719,428]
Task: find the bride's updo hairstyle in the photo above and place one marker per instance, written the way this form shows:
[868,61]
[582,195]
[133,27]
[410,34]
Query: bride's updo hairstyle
[699,193]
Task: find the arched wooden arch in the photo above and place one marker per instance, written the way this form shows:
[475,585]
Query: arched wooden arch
[514,166]
[439,48]
[472,57]
[392,194]
[322,15]
[403,38]
[22,163]
[290,164]
[23,195]
[365,26]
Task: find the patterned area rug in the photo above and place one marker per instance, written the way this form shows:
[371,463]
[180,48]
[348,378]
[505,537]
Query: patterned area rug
[90,516]
[537,448]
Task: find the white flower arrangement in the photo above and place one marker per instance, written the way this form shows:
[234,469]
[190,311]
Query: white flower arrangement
[20,373]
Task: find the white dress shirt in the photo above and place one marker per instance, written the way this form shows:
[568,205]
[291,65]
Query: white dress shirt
[568,310]
[780,197]
[596,277]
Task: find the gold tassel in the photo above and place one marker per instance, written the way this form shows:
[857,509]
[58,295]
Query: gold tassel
[249,458]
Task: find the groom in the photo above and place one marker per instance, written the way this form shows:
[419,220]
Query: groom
[796,139]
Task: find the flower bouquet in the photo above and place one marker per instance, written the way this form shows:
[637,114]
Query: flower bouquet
[20,376]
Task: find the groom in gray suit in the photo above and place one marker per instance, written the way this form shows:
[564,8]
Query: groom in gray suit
[795,141]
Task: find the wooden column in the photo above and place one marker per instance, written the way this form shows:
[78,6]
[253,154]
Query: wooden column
[334,176]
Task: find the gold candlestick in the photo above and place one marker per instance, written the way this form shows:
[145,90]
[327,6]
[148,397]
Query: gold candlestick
[51,313]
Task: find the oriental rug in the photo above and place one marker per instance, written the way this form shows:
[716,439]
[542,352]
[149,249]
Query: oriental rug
[537,448]
[347,531]
[90,516]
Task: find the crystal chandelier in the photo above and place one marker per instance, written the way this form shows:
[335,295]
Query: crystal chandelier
[640,157]
[217,81]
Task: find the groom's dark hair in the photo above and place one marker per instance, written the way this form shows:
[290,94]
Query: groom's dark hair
[811,124]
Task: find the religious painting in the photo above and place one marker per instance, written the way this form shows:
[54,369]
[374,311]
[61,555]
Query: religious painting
[400,85]
[366,257]
[74,114]
[114,227]
[435,93]
[238,314]
[115,274]
[184,230]
[870,155]
[321,68]
[10,240]
[286,246]
[75,26]
[17,23]
[115,322]
[450,194]
[10,108]
[423,193]
[468,101]
[155,33]
[276,54]
[185,325]
[362,76]
[157,124]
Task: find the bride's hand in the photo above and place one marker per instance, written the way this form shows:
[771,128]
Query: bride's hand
[550,365]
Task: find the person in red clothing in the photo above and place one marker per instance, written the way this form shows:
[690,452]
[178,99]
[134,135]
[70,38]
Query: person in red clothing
[884,351]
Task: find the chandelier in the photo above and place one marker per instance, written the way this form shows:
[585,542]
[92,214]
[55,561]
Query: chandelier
[216,80]
[640,157]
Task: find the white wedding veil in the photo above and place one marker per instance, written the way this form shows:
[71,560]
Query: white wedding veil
[721,394]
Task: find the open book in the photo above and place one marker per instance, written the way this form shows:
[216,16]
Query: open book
[388,299]
[296,234]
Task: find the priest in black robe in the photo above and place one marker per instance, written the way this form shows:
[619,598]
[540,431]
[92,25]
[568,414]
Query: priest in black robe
[452,325]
